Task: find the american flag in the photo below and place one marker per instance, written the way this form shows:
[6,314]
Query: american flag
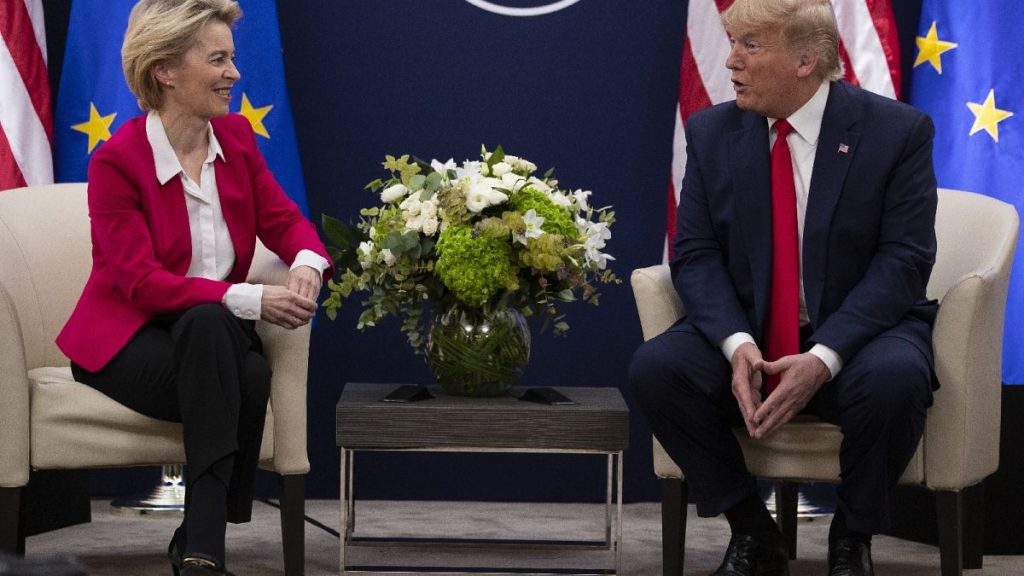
[868,46]
[26,123]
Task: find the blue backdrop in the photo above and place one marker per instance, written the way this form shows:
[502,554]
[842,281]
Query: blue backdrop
[589,90]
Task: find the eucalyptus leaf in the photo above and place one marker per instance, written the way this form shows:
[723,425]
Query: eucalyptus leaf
[337,232]
[497,156]
[432,182]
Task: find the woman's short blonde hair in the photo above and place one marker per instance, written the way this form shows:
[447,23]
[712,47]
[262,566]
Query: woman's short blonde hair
[803,23]
[163,31]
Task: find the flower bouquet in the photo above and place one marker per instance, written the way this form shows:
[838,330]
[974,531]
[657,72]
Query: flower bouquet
[455,250]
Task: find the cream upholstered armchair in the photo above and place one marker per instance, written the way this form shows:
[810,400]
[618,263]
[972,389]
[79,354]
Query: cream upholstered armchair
[49,421]
[976,240]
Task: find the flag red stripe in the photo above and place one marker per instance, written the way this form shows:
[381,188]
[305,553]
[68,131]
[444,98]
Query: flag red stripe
[16,24]
[723,5]
[692,95]
[10,172]
[851,74]
[885,24]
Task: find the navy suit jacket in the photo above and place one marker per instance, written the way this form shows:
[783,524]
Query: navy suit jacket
[869,231]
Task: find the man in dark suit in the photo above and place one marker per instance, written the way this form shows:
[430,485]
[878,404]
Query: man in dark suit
[804,242]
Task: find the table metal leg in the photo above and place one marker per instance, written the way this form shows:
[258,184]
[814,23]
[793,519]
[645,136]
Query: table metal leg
[609,487]
[342,513]
[347,507]
[618,520]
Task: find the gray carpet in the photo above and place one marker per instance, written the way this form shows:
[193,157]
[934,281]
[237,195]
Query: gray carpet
[116,545]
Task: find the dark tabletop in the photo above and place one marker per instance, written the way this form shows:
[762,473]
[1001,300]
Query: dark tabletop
[599,421]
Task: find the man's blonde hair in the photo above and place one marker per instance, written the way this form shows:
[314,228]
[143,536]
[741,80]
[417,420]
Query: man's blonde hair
[803,24]
[163,31]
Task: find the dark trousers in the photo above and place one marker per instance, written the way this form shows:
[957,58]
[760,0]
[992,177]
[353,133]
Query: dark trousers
[204,369]
[681,383]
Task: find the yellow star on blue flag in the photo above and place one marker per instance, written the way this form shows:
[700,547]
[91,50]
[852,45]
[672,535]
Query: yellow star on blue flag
[972,92]
[255,115]
[987,117]
[97,127]
[930,49]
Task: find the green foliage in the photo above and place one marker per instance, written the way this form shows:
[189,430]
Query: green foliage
[557,220]
[473,267]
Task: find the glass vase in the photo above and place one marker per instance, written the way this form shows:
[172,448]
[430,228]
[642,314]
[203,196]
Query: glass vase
[472,353]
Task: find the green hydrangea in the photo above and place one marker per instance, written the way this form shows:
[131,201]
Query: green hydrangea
[474,269]
[557,220]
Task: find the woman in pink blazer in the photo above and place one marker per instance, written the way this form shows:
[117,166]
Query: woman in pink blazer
[165,324]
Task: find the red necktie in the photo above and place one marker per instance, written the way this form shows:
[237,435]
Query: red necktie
[783,329]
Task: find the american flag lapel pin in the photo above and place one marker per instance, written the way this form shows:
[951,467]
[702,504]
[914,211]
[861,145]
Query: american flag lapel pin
[844,148]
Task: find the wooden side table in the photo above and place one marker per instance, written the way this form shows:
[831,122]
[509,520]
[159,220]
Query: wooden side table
[597,424]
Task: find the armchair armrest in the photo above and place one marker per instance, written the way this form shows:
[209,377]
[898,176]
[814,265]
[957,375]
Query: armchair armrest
[287,353]
[962,429]
[14,390]
[657,301]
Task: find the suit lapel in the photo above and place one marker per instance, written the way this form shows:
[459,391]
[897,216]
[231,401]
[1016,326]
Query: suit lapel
[837,144]
[750,166]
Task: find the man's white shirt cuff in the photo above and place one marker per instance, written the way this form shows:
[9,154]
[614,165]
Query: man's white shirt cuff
[827,355]
[730,344]
[244,300]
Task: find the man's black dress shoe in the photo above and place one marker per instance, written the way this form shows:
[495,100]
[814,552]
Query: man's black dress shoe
[762,554]
[849,557]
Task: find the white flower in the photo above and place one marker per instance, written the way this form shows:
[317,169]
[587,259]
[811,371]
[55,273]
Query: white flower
[388,257]
[420,216]
[513,181]
[581,199]
[560,199]
[430,225]
[469,169]
[500,169]
[539,185]
[521,165]
[596,234]
[481,194]
[393,193]
[533,226]
[365,254]
[428,208]
[443,169]
[411,205]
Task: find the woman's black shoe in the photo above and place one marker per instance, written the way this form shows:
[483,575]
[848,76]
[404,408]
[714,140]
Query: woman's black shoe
[202,565]
[174,550]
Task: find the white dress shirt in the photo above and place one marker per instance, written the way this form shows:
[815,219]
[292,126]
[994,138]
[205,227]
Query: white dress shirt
[213,255]
[803,143]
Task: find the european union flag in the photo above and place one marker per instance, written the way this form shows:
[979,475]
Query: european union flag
[94,100]
[967,77]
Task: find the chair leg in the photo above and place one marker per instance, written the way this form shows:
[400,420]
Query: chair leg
[673,525]
[974,526]
[786,497]
[12,536]
[293,527]
[949,517]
